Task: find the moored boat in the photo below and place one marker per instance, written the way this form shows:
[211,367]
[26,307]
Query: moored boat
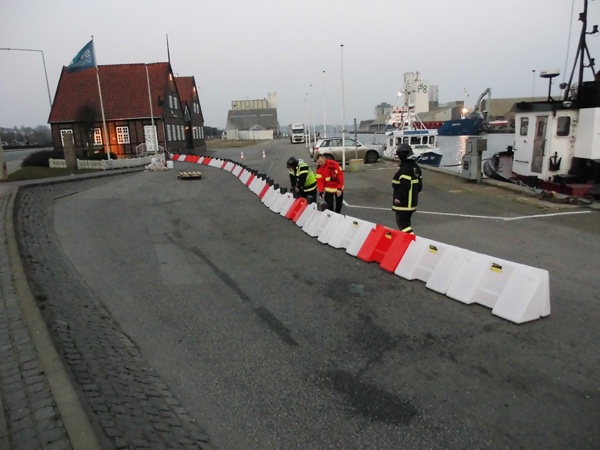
[467,126]
[557,142]
[461,127]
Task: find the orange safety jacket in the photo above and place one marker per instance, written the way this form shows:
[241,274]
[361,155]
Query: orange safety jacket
[330,177]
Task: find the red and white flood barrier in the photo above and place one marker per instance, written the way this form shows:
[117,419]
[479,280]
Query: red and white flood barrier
[513,291]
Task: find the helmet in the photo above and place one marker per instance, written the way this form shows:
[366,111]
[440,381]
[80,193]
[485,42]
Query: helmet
[404,151]
[292,162]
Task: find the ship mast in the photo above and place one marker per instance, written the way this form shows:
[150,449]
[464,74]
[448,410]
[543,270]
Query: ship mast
[582,51]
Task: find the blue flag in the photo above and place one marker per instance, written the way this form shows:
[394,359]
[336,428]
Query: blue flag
[84,59]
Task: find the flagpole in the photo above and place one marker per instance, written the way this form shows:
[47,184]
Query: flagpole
[151,112]
[101,102]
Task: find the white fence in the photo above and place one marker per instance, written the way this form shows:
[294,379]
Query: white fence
[105,164]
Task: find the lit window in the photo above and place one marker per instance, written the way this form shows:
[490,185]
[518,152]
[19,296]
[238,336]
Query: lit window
[175,103]
[122,135]
[62,135]
[97,136]
[524,126]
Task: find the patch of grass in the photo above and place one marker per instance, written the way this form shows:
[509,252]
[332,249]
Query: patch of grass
[36,173]
[213,144]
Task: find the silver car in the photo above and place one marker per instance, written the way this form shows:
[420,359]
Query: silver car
[332,149]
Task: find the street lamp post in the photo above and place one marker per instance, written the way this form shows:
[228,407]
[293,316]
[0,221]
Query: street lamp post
[312,115]
[324,119]
[533,85]
[343,114]
[43,61]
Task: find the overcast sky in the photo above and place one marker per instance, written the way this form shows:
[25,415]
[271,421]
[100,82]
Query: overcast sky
[240,49]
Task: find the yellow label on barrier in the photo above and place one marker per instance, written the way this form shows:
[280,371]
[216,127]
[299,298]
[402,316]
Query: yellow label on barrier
[496,268]
[355,223]
[433,249]
[388,235]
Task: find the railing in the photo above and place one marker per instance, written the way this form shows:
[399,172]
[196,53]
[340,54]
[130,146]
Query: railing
[105,164]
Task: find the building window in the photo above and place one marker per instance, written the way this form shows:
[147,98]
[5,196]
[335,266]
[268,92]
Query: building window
[122,135]
[524,126]
[97,136]
[175,103]
[62,135]
[170,102]
[563,126]
[168,132]
[201,132]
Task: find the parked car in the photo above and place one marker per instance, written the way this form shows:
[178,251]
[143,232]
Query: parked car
[4,144]
[332,149]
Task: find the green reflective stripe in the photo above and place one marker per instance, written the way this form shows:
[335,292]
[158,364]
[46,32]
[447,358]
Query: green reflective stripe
[406,177]
[395,181]
[404,208]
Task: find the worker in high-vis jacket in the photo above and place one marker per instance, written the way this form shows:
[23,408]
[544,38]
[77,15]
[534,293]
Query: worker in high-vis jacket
[330,183]
[407,183]
[302,179]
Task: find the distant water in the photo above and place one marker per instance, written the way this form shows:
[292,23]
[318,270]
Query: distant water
[453,147]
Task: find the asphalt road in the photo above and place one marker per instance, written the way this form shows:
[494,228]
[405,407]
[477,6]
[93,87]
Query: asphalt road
[271,339]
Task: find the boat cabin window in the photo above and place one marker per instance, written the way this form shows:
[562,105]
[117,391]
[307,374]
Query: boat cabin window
[415,140]
[524,126]
[432,140]
[563,126]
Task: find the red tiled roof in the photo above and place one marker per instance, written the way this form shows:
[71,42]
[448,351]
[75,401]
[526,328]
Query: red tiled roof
[185,86]
[124,91]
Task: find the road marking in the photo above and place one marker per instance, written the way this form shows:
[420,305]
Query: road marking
[472,216]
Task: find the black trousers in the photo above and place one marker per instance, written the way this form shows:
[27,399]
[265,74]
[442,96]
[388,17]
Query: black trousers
[403,221]
[331,198]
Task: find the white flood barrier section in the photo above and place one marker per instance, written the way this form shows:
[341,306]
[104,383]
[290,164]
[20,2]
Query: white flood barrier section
[514,291]
[270,196]
[215,162]
[236,170]
[358,239]
[245,176]
[307,214]
[329,226]
[229,166]
[348,229]
[256,185]
[287,204]
[281,202]
[312,225]
[273,199]
[200,160]
[430,261]
[447,268]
